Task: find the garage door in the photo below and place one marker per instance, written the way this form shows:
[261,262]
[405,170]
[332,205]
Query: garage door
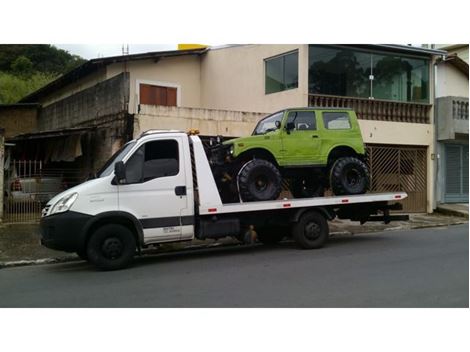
[399,168]
[456,173]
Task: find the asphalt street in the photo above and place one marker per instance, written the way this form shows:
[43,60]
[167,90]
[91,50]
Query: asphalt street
[413,268]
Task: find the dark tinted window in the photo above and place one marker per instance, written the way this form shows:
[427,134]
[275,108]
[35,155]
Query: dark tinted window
[303,120]
[336,120]
[153,160]
[282,73]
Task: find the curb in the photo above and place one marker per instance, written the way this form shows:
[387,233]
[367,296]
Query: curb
[217,244]
[451,212]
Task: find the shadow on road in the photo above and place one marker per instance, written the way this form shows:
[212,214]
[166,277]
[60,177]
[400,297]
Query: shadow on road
[153,257]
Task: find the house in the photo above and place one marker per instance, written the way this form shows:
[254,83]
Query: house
[226,90]
[452,125]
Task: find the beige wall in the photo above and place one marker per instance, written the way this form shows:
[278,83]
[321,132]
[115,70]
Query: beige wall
[243,67]
[207,121]
[451,81]
[15,120]
[182,72]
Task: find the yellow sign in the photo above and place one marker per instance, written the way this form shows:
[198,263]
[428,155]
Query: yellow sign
[191,46]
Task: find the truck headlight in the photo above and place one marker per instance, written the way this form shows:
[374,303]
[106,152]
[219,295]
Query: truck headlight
[64,204]
[230,151]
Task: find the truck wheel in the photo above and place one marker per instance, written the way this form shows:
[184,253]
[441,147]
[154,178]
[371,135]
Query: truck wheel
[111,247]
[307,188]
[259,180]
[270,235]
[311,231]
[349,175]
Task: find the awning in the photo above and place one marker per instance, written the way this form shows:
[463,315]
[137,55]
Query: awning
[50,134]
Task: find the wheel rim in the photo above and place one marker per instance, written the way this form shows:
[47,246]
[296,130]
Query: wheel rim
[261,183]
[353,177]
[112,248]
[312,230]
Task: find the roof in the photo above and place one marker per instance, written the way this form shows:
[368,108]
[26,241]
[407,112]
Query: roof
[457,62]
[50,134]
[19,105]
[403,49]
[95,64]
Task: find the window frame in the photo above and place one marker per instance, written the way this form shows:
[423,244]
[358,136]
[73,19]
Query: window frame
[281,56]
[351,127]
[371,52]
[315,124]
[138,82]
[144,145]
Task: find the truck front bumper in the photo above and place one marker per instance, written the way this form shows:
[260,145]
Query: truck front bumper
[64,231]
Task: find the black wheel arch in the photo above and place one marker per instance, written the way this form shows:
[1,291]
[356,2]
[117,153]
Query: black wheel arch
[113,217]
[343,151]
[257,153]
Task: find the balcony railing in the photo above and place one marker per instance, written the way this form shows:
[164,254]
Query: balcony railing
[460,108]
[374,109]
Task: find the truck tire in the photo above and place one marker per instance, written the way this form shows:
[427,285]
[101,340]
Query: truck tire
[270,235]
[82,254]
[349,175]
[311,231]
[307,188]
[111,247]
[259,180]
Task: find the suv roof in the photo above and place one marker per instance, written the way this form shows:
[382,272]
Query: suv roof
[317,108]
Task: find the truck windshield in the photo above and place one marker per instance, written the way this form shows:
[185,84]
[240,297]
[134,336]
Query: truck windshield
[268,124]
[108,167]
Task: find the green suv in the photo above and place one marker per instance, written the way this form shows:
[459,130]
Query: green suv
[306,149]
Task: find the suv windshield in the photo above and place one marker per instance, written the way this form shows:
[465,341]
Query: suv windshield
[268,124]
[108,167]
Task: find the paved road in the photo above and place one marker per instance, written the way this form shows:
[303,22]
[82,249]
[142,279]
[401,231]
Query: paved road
[417,268]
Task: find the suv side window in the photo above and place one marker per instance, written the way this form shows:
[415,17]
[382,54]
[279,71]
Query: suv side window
[303,120]
[336,121]
[153,160]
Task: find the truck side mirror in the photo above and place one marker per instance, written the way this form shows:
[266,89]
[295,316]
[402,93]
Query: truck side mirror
[289,127]
[120,171]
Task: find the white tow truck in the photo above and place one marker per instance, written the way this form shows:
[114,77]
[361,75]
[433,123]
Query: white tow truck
[160,188]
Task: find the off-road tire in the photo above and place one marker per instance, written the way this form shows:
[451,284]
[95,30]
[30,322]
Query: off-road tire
[271,235]
[349,175]
[111,247]
[311,231]
[307,187]
[82,254]
[259,180]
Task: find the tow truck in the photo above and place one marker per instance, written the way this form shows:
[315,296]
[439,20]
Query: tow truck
[159,188]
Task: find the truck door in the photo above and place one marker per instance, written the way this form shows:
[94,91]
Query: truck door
[301,144]
[155,189]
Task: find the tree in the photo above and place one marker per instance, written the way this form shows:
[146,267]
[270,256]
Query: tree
[22,66]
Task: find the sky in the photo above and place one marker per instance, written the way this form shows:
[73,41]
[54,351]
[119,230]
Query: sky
[91,51]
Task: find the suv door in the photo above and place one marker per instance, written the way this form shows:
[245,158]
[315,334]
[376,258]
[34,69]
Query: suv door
[301,145]
[155,189]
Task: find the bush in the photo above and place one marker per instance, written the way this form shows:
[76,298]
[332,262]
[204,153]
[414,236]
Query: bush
[13,88]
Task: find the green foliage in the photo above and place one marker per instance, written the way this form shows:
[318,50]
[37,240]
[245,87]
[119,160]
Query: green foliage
[13,88]
[26,68]
[22,66]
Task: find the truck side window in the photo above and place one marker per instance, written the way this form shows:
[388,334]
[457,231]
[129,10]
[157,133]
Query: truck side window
[303,120]
[336,120]
[153,160]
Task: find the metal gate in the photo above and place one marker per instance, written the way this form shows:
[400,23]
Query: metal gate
[29,186]
[456,173]
[399,168]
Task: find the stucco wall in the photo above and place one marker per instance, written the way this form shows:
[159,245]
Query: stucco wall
[75,87]
[18,120]
[451,82]
[209,122]
[233,79]
[182,72]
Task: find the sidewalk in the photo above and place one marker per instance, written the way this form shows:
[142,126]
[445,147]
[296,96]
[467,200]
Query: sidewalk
[19,243]
[454,209]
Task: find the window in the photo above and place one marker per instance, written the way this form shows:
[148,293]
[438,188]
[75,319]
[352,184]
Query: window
[336,120]
[345,71]
[282,73]
[303,120]
[153,160]
[268,124]
[157,95]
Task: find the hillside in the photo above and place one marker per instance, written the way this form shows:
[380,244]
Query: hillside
[25,68]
